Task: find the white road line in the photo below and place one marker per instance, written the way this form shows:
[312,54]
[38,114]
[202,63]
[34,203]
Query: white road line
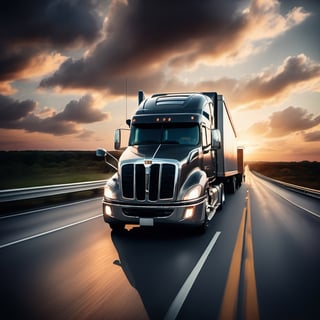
[185,289]
[48,208]
[48,232]
[315,214]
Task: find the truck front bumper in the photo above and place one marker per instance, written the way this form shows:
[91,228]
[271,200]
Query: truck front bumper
[188,213]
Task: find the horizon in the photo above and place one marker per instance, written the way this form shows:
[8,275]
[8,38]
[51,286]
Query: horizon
[118,151]
[66,85]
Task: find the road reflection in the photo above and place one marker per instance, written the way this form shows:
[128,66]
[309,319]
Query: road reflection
[156,262]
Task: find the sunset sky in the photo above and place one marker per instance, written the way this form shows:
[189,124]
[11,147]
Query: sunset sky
[66,66]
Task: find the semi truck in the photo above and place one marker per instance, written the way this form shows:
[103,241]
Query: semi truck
[180,158]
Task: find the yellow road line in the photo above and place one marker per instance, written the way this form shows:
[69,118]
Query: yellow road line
[250,288]
[229,306]
[230,298]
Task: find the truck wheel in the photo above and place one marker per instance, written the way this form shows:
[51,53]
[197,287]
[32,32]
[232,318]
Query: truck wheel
[117,226]
[203,228]
[222,199]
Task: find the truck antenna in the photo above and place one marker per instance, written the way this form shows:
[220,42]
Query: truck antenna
[126,101]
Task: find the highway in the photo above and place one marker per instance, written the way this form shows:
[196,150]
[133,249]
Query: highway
[259,259]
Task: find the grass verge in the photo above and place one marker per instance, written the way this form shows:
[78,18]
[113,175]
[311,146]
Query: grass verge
[305,173]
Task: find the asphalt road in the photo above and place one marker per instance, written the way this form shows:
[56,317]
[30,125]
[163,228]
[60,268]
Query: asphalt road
[259,259]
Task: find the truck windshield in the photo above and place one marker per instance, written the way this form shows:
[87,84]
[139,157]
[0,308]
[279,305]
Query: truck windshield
[184,134]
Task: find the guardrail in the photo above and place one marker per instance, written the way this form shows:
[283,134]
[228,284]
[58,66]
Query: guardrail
[52,190]
[44,191]
[306,191]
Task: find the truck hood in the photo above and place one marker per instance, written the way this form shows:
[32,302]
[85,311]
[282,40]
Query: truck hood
[162,151]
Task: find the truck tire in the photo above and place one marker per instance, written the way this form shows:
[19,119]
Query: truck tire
[222,198]
[203,228]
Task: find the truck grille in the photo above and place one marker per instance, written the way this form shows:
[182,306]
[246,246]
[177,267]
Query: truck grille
[158,184]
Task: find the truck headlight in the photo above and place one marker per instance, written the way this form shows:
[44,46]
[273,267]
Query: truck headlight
[193,193]
[108,192]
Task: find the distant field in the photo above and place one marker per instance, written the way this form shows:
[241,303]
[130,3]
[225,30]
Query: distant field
[36,168]
[305,173]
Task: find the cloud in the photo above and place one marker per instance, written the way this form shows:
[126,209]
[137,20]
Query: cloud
[296,73]
[285,122]
[14,110]
[40,64]
[146,40]
[6,88]
[291,119]
[295,70]
[16,114]
[51,125]
[265,21]
[32,32]
[312,136]
[81,111]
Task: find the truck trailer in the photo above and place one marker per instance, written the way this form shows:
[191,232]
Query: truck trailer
[180,159]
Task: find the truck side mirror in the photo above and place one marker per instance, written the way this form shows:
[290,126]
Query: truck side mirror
[117,139]
[101,152]
[109,158]
[121,136]
[215,139]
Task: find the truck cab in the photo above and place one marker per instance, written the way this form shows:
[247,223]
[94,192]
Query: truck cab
[168,172]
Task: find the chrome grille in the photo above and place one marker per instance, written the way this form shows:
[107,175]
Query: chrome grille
[153,184]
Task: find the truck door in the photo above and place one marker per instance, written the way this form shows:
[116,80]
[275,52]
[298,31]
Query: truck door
[208,164]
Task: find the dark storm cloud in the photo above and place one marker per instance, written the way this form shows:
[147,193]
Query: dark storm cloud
[16,114]
[81,111]
[145,41]
[50,125]
[29,28]
[140,35]
[13,110]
